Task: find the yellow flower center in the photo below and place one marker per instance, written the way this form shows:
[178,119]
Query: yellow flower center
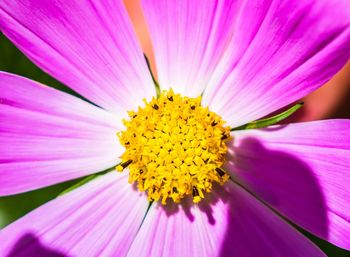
[174,147]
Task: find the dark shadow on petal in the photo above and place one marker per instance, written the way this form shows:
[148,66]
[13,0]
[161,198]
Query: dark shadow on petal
[29,245]
[206,205]
[186,205]
[280,180]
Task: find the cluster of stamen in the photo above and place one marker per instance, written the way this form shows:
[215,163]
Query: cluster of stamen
[174,147]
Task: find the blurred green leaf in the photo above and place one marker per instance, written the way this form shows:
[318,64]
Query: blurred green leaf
[13,61]
[15,206]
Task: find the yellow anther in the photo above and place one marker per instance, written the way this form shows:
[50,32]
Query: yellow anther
[174,147]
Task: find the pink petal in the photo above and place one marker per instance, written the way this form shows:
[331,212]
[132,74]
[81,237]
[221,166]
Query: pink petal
[234,224]
[47,136]
[100,218]
[275,53]
[88,45]
[301,170]
[187,42]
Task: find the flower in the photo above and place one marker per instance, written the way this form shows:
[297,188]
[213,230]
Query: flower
[246,58]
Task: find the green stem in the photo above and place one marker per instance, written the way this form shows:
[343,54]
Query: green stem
[153,78]
[270,121]
[85,180]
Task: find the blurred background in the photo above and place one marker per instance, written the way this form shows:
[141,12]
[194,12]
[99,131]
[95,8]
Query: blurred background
[330,101]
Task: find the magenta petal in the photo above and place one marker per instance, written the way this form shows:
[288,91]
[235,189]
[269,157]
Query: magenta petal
[88,45]
[188,38]
[47,136]
[100,218]
[303,171]
[276,53]
[235,225]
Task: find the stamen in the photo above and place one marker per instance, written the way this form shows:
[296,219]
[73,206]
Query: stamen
[224,137]
[174,147]
[123,165]
[196,197]
[220,171]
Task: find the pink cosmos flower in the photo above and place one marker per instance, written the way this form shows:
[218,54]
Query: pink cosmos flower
[247,59]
